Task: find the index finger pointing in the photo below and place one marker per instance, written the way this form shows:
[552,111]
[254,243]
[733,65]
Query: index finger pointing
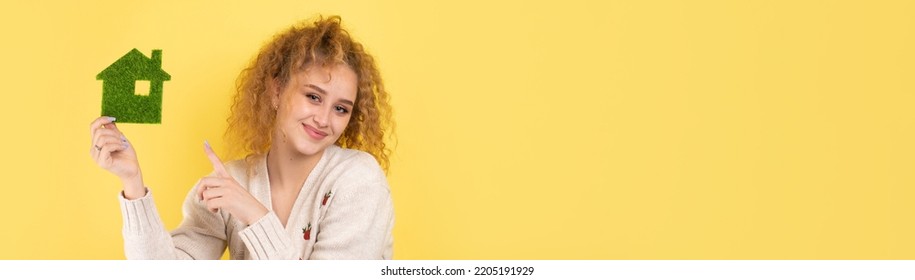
[214,159]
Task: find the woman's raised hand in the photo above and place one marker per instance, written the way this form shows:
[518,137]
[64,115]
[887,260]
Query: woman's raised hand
[111,151]
[221,191]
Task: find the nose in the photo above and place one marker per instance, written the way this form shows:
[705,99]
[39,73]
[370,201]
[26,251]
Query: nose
[322,116]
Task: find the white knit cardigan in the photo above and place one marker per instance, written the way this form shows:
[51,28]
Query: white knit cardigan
[346,201]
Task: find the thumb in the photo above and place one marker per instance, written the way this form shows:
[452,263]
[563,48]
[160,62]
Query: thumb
[214,159]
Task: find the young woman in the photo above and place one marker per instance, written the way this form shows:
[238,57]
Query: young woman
[310,114]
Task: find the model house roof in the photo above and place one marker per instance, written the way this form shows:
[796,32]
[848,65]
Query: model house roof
[136,66]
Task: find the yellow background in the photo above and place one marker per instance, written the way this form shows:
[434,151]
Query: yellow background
[527,129]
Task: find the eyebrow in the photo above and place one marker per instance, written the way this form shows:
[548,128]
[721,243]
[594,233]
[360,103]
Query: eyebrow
[319,89]
[322,91]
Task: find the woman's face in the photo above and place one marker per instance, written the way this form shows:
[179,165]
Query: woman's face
[314,108]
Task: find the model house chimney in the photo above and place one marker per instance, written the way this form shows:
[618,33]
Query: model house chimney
[157,59]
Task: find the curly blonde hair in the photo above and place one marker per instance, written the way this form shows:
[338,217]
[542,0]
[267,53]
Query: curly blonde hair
[325,43]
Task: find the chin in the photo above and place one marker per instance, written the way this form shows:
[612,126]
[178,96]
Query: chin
[310,149]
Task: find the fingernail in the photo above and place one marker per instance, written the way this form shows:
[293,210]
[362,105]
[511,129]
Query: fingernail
[207,143]
[123,139]
[126,145]
[111,119]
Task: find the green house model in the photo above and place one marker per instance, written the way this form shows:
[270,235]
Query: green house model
[132,88]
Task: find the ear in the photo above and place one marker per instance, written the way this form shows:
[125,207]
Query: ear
[274,90]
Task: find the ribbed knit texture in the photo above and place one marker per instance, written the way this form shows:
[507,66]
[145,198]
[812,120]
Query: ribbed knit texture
[355,222]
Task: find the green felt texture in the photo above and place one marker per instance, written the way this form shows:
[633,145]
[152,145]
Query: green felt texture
[118,98]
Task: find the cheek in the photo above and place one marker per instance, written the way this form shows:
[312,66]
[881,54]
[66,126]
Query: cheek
[291,112]
[340,124]
[284,111]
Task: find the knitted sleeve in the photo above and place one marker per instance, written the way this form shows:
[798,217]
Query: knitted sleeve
[201,234]
[266,239]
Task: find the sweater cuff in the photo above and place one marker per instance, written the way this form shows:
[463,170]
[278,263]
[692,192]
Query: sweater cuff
[140,215]
[266,238]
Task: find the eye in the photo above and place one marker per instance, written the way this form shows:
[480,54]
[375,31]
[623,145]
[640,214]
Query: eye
[341,109]
[313,97]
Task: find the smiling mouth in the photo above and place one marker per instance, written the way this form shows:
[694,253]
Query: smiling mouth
[314,133]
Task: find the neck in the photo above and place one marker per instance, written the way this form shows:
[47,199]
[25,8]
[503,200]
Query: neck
[288,169]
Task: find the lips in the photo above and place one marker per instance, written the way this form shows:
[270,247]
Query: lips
[313,132]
